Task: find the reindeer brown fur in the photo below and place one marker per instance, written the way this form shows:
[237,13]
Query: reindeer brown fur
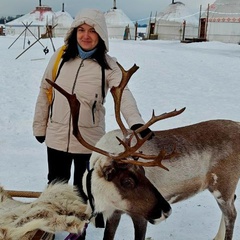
[209,158]
[198,157]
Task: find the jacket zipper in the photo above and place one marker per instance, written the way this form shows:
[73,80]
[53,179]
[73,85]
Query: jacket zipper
[70,116]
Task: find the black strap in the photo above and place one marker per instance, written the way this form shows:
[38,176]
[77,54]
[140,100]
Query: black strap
[103,84]
[89,190]
[59,69]
[99,221]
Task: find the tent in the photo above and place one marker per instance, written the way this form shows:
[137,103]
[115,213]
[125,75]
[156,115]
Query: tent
[38,20]
[223,21]
[119,24]
[168,25]
[63,20]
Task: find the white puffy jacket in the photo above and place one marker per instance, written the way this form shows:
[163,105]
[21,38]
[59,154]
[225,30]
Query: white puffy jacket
[84,78]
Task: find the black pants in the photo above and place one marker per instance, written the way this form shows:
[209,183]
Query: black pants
[59,167]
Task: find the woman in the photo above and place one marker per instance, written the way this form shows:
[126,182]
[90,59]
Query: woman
[88,71]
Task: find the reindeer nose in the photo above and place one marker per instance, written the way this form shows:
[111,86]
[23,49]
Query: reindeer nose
[167,214]
[163,216]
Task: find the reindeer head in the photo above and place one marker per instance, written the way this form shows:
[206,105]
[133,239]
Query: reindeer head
[116,185]
[118,181]
[124,187]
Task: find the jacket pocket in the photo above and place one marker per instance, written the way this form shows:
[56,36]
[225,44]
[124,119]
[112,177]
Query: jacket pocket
[91,111]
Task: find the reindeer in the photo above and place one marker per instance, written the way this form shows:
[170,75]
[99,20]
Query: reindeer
[179,162]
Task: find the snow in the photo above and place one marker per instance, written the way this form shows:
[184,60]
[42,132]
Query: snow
[203,77]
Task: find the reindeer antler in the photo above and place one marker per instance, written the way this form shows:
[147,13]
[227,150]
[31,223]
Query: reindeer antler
[159,117]
[156,162]
[130,151]
[117,95]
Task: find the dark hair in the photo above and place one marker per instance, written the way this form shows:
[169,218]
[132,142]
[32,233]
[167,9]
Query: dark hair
[72,51]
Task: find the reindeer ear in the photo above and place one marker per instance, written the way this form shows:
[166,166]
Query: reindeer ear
[110,172]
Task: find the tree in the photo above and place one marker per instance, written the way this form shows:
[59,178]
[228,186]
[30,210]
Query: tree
[9,18]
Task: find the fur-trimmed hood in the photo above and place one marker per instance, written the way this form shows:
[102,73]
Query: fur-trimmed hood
[94,18]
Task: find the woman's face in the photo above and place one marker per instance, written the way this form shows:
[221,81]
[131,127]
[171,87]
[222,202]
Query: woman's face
[87,37]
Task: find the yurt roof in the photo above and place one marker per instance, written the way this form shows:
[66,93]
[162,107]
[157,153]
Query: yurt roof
[41,16]
[116,17]
[225,11]
[63,18]
[178,12]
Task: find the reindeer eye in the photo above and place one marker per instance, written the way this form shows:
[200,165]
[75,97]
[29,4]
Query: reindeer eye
[128,183]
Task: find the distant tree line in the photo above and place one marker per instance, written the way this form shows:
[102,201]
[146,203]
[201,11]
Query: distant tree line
[9,18]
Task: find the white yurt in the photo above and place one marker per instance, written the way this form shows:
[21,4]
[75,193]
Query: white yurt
[38,20]
[168,25]
[63,20]
[223,21]
[119,24]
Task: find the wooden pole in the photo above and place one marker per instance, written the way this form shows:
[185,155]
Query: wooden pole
[33,44]
[27,28]
[24,194]
[24,41]
[20,34]
[149,26]
[199,21]
[184,28]
[136,29]
[206,29]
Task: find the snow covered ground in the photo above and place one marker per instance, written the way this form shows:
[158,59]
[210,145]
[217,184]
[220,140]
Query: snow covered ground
[203,77]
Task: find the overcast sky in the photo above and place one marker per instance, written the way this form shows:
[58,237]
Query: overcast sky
[134,9]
